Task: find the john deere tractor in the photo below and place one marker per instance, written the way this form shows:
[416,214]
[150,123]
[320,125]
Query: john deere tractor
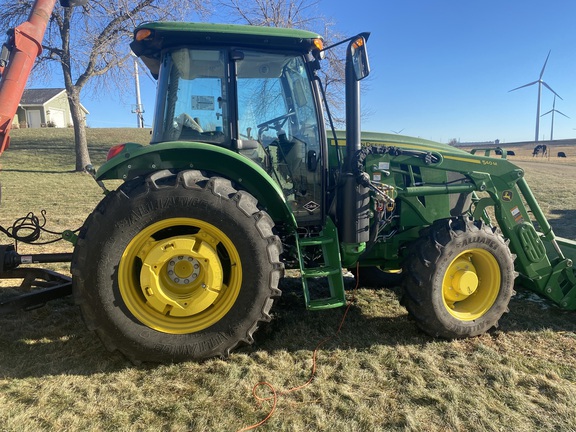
[243,179]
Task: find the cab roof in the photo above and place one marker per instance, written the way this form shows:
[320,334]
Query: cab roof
[168,34]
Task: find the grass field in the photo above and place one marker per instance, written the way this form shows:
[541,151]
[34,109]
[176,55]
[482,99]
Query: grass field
[379,373]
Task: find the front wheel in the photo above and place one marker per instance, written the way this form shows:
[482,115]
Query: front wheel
[176,267]
[459,279]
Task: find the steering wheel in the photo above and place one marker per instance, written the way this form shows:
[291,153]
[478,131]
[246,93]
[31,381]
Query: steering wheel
[281,119]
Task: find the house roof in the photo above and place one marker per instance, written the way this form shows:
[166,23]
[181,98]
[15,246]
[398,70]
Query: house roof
[39,96]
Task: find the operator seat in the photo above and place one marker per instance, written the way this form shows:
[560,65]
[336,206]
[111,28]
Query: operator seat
[190,129]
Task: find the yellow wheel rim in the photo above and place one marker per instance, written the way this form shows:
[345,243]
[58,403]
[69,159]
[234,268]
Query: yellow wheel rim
[471,284]
[180,275]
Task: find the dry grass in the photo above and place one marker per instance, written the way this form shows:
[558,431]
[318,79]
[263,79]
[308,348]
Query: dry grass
[379,373]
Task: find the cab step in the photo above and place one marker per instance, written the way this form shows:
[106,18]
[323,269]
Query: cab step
[333,295]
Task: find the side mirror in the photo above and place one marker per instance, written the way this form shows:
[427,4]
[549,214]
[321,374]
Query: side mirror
[311,160]
[359,56]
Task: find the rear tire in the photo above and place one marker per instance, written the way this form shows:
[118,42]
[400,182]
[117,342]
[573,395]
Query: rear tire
[176,267]
[459,279]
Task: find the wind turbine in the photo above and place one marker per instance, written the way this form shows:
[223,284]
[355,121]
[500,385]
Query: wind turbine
[540,83]
[553,110]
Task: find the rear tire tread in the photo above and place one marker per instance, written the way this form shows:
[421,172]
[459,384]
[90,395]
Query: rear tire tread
[97,222]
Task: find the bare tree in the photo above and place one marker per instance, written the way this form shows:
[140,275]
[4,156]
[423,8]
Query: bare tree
[90,46]
[274,13]
[301,14]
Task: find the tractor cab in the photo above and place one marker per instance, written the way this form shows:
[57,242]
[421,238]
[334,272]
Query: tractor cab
[256,99]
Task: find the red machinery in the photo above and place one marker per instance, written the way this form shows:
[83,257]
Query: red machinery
[16,61]
[17,58]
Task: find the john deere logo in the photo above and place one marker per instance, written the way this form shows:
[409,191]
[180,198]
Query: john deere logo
[507,196]
[311,206]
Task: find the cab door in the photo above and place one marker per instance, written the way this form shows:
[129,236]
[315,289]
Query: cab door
[276,108]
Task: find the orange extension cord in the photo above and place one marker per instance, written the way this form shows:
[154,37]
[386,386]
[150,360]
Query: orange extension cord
[275,393]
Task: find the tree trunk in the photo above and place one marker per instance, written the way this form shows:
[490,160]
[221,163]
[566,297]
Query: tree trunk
[79,122]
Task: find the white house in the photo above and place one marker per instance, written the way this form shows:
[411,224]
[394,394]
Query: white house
[44,107]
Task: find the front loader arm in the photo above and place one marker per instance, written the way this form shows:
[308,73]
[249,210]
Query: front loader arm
[543,261]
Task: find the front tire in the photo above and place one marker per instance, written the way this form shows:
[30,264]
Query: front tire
[176,267]
[459,279]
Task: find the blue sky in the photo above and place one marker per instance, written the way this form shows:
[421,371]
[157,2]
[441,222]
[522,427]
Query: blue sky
[442,69]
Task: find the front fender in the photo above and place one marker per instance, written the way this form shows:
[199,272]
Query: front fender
[138,160]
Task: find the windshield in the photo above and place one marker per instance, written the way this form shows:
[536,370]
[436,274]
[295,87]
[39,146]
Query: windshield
[274,121]
[194,97]
[274,97]
[194,91]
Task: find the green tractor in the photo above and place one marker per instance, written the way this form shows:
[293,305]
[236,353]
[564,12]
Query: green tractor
[242,180]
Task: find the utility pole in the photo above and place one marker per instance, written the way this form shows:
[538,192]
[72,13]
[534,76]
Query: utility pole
[139,108]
